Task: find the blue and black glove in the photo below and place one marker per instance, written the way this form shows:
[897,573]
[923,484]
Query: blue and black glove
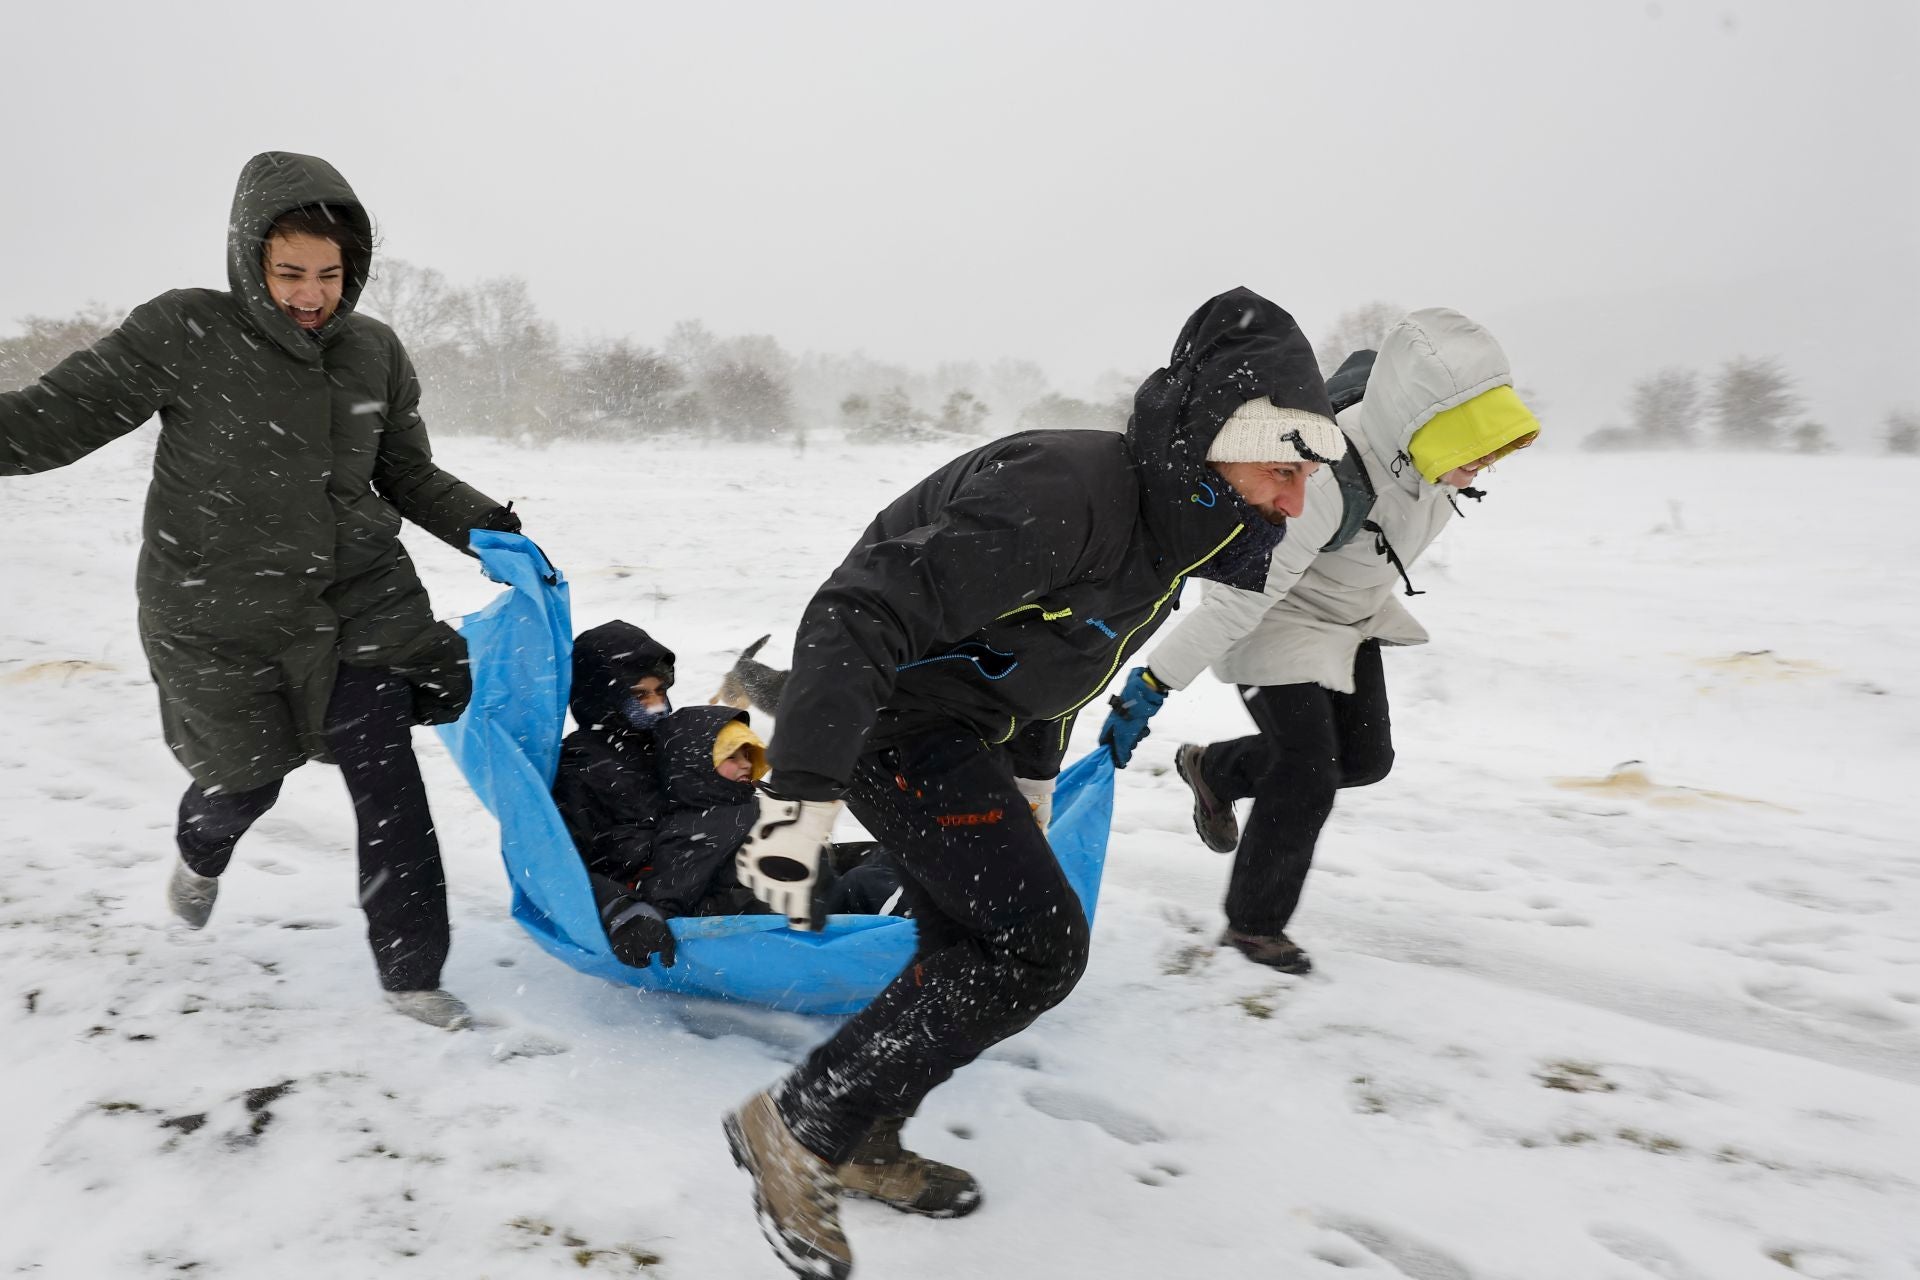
[1133,706]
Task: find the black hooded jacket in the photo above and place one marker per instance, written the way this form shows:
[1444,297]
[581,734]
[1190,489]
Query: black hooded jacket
[607,787]
[1006,590]
[285,465]
[704,822]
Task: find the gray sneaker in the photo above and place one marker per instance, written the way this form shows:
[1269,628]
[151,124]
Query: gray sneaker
[190,895]
[880,1168]
[796,1194]
[1212,817]
[435,1008]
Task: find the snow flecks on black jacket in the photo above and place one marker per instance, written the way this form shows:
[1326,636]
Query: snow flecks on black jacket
[706,819]
[1006,590]
[608,787]
[286,462]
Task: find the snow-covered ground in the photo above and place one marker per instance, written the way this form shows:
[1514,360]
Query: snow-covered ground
[1666,1026]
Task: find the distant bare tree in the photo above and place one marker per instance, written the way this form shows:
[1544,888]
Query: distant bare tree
[894,417]
[510,378]
[962,414]
[1360,329]
[625,384]
[691,345]
[44,341]
[1903,431]
[1752,400]
[418,302]
[1664,408]
[747,400]
[1056,412]
[1612,438]
[1810,437]
[1012,385]
[856,412]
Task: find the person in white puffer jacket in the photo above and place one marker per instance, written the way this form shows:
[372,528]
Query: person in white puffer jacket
[1439,408]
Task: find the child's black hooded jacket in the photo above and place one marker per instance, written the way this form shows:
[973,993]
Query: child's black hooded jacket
[608,786]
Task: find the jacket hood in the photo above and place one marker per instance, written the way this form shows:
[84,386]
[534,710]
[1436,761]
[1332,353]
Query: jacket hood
[685,742]
[1429,362]
[273,184]
[607,662]
[1237,347]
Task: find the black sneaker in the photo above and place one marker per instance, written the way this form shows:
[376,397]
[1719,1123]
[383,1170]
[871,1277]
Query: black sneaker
[1212,817]
[1275,950]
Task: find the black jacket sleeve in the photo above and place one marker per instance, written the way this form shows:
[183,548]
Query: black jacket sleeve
[991,540]
[611,812]
[94,396]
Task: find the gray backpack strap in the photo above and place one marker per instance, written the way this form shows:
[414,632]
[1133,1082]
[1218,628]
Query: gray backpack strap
[1346,388]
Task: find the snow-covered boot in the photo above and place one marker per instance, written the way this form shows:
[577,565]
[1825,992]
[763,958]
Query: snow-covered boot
[796,1195]
[1275,950]
[435,1008]
[190,895]
[881,1169]
[1212,817]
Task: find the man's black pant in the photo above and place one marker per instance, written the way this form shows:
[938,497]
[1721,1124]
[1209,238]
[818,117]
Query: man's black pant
[1003,938]
[403,887]
[1312,742]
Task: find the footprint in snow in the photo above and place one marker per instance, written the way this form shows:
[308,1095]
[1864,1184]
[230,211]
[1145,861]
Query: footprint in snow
[1643,1249]
[1412,1258]
[1014,1056]
[788,1035]
[1817,1260]
[1802,894]
[1854,1012]
[525,1044]
[1115,1121]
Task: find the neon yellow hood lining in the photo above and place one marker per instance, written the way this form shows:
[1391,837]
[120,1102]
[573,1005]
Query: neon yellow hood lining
[1493,423]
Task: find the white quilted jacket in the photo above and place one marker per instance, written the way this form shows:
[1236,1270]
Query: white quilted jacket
[1317,606]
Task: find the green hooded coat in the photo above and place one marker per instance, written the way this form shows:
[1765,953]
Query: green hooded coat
[286,461]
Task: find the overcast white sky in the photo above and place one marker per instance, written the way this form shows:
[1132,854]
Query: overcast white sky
[1610,186]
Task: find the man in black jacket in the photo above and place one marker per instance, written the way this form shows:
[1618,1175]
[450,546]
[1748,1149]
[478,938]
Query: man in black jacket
[937,675]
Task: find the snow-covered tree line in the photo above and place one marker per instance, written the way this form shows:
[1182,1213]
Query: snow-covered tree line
[490,362]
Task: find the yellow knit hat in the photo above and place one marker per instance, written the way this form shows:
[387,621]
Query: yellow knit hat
[1492,423]
[735,734]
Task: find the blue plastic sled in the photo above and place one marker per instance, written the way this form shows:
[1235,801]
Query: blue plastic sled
[508,745]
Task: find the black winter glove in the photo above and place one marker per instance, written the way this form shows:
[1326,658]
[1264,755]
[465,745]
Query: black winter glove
[638,933]
[500,520]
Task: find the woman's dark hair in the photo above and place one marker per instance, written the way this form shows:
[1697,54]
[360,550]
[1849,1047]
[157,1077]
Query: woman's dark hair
[320,221]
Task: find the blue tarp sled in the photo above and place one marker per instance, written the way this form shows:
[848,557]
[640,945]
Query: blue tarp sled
[508,745]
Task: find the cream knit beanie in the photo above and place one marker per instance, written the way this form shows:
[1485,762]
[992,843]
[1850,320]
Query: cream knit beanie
[1262,431]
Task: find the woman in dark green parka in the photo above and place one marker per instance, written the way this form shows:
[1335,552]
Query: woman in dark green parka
[281,617]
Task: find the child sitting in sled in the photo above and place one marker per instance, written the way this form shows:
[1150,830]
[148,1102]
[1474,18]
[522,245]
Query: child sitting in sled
[659,801]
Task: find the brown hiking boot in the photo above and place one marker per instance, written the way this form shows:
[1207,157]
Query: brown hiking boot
[1275,950]
[796,1196]
[881,1169]
[1212,817]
